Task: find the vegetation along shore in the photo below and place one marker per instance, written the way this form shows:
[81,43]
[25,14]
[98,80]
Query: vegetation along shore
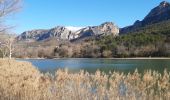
[22,81]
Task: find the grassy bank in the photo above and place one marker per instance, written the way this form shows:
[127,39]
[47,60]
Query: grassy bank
[22,81]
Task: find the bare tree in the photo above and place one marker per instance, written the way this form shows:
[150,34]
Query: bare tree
[7,7]
[3,50]
[7,45]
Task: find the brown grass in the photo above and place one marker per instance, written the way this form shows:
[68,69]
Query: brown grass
[22,81]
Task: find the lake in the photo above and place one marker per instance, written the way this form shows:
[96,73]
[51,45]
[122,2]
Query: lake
[106,65]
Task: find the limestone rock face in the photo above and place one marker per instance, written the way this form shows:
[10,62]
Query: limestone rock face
[107,28]
[59,32]
[65,33]
[32,35]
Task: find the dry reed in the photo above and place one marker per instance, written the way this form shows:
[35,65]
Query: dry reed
[22,81]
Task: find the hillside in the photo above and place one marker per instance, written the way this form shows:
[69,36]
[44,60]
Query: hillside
[149,37]
[161,27]
[161,13]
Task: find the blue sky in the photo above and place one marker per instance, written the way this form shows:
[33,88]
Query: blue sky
[44,14]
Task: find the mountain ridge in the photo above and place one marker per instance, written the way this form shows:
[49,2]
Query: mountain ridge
[66,33]
[157,14]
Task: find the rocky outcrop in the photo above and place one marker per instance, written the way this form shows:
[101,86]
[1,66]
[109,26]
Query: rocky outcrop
[64,33]
[59,32]
[156,15]
[107,28]
[32,35]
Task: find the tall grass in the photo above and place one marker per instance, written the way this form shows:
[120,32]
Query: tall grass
[19,82]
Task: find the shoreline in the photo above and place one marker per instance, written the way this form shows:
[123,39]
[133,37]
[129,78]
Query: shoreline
[137,58]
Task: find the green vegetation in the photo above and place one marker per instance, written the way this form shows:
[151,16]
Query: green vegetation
[161,27]
[133,45]
[152,40]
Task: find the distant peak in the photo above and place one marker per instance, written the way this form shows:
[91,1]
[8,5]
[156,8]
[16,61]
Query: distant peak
[107,23]
[164,4]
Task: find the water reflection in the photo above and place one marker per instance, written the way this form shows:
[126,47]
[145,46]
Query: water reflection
[106,65]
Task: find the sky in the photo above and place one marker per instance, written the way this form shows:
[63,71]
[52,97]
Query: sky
[46,14]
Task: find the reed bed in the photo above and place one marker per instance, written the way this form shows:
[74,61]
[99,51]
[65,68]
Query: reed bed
[22,81]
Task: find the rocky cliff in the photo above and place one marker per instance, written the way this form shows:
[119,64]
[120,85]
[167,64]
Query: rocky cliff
[64,33]
[107,28]
[59,32]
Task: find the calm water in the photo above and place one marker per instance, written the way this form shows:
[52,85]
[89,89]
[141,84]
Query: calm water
[106,65]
